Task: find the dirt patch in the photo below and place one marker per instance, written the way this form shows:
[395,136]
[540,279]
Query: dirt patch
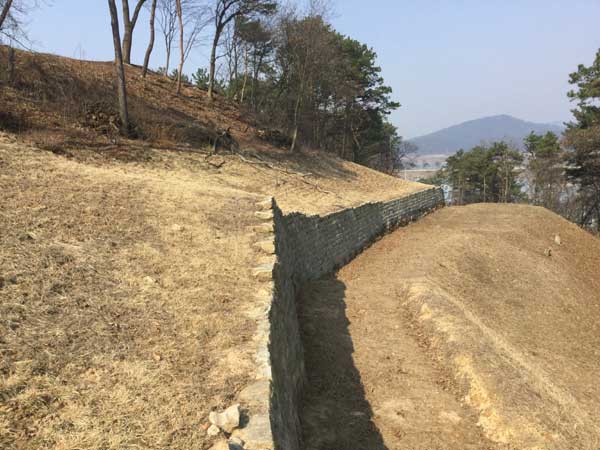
[371,383]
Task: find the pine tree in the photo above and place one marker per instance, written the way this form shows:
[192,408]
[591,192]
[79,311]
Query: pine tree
[583,140]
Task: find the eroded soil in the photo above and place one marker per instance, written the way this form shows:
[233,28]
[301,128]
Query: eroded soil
[371,383]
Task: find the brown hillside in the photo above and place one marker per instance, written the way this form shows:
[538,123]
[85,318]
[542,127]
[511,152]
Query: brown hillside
[458,332]
[76,100]
[67,106]
[126,294]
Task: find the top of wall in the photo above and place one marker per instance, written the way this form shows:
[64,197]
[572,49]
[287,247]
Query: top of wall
[333,184]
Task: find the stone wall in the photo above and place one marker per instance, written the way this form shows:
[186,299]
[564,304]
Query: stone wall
[306,248]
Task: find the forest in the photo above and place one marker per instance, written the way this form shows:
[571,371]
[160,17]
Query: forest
[285,64]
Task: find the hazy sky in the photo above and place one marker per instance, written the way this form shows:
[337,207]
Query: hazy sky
[448,60]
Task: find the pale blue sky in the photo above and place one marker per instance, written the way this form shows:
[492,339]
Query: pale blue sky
[447,60]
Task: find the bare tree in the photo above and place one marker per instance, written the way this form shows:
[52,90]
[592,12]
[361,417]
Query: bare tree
[4,13]
[224,11]
[191,16]
[181,45]
[309,55]
[152,36]
[245,73]
[119,69]
[232,48]
[128,26]
[12,19]
[303,39]
[12,28]
[256,36]
[167,19]
[10,69]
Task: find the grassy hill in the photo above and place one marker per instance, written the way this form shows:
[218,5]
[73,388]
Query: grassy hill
[459,331]
[126,294]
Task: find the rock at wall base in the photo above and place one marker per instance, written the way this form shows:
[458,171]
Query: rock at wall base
[228,420]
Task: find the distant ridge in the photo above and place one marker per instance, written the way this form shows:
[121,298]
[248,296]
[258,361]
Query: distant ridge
[485,130]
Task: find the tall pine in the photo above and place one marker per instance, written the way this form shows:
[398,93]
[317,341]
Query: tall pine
[583,140]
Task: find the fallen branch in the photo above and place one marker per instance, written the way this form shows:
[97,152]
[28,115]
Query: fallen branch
[270,166]
[318,188]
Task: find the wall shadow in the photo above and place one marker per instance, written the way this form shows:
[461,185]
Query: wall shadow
[336,414]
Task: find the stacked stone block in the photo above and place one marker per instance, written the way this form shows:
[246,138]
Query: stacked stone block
[298,248]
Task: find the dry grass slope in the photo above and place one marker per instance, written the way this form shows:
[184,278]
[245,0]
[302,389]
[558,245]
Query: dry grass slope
[66,106]
[122,313]
[473,318]
[125,284]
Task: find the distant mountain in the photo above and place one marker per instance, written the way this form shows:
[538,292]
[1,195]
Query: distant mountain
[486,130]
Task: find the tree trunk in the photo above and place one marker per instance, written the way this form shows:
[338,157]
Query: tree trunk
[255,80]
[127,33]
[11,64]
[213,63]
[4,13]
[128,27]
[355,153]
[168,61]
[151,43]
[484,190]
[297,110]
[295,135]
[233,76]
[119,69]
[245,74]
[506,187]
[252,93]
[181,47]
[345,133]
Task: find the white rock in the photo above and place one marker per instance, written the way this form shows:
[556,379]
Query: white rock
[213,430]
[228,420]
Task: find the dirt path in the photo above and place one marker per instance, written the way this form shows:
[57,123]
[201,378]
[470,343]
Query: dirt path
[372,384]
[458,333]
